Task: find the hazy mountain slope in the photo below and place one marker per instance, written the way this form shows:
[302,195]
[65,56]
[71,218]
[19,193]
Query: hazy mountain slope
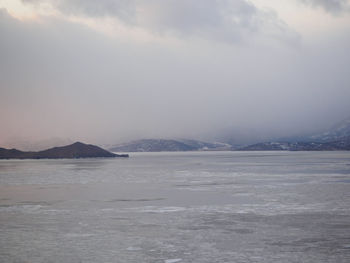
[337,132]
[340,144]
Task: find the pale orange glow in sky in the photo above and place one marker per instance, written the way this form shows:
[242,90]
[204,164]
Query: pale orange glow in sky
[18,9]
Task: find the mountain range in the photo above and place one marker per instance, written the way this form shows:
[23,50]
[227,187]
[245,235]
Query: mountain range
[335,138]
[163,145]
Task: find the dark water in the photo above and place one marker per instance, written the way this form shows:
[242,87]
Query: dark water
[178,207]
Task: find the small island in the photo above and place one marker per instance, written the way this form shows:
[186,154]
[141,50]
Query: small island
[75,150]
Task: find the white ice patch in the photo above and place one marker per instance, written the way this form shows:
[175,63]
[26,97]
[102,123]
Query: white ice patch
[78,235]
[154,209]
[134,249]
[173,260]
[21,208]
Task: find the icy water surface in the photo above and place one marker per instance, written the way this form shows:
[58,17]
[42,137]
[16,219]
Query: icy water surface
[178,207]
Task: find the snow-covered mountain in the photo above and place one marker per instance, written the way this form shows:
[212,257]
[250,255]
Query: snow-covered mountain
[162,145]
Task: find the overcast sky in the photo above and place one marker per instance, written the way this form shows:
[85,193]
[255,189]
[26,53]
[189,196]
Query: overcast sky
[112,70]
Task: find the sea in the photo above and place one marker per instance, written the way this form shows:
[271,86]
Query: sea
[177,207]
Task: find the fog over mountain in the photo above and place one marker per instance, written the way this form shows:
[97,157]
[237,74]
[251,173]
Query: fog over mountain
[110,71]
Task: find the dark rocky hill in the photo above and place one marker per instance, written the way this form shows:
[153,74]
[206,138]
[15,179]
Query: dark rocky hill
[75,150]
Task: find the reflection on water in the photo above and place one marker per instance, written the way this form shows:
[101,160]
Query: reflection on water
[177,207]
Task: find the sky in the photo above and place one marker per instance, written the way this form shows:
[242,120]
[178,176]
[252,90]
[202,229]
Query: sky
[109,71]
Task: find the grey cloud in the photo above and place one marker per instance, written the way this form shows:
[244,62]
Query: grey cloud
[332,6]
[218,20]
[123,9]
[62,79]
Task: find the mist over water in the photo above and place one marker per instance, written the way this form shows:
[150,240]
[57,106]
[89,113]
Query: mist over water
[111,71]
[178,207]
